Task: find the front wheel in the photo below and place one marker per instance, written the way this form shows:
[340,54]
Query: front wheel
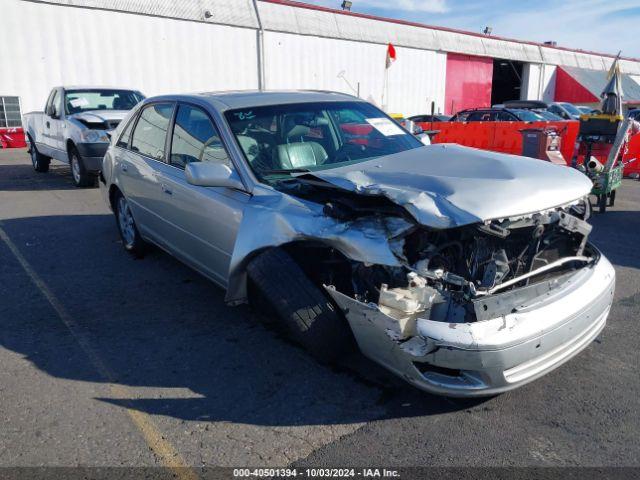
[131,239]
[307,315]
[40,162]
[81,177]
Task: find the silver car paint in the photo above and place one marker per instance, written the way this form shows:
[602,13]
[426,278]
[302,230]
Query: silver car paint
[446,186]
[218,230]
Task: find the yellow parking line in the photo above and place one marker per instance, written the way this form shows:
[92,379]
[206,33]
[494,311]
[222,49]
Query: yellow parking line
[169,456]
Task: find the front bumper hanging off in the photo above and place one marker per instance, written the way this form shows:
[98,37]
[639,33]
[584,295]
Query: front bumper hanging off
[495,355]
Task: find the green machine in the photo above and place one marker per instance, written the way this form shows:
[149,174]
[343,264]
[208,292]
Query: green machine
[601,132]
[598,131]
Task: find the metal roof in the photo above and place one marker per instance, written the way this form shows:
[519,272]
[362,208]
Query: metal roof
[595,81]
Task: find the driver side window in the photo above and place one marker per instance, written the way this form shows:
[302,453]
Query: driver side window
[195,139]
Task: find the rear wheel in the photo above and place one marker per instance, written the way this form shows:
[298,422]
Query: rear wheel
[81,177]
[131,239]
[305,312]
[40,162]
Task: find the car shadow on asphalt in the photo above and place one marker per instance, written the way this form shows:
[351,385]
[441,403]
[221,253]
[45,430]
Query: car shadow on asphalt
[159,325]
[22,178]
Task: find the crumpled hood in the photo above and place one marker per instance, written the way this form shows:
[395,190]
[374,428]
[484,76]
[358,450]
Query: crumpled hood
[95,116]
[445,186]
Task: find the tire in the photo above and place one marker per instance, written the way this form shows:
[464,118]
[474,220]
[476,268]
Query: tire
[40,162]
[602,203]
[131,238]
[79,173]
[305,312]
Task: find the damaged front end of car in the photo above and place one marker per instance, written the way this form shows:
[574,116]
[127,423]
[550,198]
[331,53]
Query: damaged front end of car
[481,309]
[461,308]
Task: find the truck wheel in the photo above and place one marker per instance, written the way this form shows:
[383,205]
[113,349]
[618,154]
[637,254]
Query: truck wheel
[131,238]
[307,315]
[40,162]
[81,177]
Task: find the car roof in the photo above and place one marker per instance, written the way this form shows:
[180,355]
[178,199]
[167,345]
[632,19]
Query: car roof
[95,87]
[230,100]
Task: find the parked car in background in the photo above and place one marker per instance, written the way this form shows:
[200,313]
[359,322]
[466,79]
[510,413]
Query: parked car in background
[465,272]
[538,107]
[634,114]
[430,118]
[412,127]
[74,128]
[496,114]
[586,110]
[566,110]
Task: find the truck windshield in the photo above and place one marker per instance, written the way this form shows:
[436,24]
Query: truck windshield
[76,101]
[280,140]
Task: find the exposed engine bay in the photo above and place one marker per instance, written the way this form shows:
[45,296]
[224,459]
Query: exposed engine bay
[446,273]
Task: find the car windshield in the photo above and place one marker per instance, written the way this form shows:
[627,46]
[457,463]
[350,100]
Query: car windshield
[527,115]
[569,107]
[76,101]
[547,115]
[280,140]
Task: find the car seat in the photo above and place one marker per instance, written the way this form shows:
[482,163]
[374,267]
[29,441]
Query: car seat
[297,153]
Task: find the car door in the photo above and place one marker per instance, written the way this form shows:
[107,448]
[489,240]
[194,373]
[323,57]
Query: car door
[201,223]
[51,127]
[137,160]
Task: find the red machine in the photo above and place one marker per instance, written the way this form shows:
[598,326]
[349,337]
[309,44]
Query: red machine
[12,138]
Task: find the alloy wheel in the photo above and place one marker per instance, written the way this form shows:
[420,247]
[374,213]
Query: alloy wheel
[126,223]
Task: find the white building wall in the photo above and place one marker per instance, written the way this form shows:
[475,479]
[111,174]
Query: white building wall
[199,45]
[415,80]
[46,45]
[548,83]
[531,78]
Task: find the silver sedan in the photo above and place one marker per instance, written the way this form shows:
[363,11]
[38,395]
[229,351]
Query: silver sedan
[465,272]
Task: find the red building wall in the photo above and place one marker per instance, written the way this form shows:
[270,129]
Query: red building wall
[468,83]
[569,90]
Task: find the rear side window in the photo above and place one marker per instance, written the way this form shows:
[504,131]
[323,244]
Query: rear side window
[480,117]
[150,134]
[195,139]
[123,141]
[505,117]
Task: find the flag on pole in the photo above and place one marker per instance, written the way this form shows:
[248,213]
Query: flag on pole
[391,55]
[612,93]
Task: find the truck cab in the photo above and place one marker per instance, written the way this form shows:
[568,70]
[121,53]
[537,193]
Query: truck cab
[74,128]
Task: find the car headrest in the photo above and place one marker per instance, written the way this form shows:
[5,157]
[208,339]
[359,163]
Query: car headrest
[298,131]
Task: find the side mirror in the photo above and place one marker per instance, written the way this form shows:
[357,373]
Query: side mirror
[211,174]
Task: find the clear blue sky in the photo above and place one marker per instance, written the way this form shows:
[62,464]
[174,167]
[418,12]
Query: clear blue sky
[600,25]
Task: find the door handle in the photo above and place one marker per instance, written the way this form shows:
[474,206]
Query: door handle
[166,189]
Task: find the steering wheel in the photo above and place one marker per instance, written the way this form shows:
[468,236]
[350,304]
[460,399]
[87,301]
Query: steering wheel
[346,152]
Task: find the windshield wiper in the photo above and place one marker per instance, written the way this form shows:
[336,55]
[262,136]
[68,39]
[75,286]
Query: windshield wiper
[290,170]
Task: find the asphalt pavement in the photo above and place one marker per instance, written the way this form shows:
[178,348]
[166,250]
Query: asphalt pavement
[110,361]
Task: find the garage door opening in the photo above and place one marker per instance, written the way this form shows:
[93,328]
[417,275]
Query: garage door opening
[507,81]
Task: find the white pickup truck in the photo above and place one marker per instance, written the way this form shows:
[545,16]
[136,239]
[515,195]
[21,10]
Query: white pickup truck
[74,128]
